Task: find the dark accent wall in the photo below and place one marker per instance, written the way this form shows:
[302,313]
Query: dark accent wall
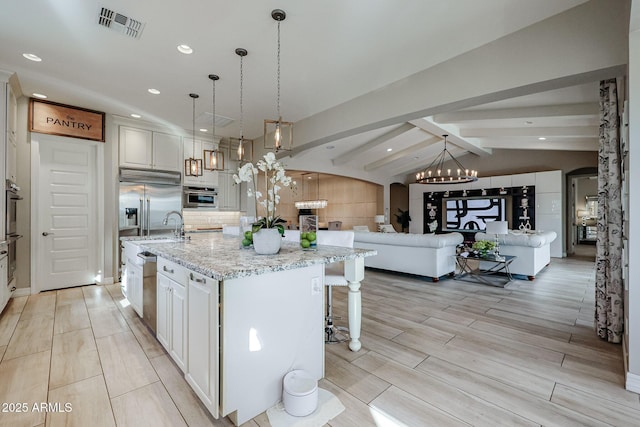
[520,210]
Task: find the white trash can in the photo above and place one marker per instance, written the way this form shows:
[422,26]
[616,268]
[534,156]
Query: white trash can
[300,393]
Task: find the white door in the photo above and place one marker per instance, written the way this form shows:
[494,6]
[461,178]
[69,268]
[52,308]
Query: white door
[67,233]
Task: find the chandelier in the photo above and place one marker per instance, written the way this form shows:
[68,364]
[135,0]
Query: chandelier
[193,166]
[435,173]
[278,135]
[315,203]
[213,159]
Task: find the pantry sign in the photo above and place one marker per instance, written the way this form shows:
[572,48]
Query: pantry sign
[65,120]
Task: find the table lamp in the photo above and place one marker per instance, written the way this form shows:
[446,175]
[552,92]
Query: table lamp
[497,228]
[378,219]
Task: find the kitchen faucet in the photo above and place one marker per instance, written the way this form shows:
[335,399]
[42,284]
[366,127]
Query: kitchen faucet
[166,220]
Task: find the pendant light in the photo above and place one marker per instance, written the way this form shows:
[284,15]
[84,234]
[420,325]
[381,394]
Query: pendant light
[314,201]
[193,166]
[278,135]
[435,173]
[213,159]
[242,143]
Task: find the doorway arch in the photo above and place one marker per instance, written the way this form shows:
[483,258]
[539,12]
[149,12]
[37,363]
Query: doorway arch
[578,182]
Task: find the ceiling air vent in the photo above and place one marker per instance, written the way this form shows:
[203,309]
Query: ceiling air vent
[205,119]
[118,22]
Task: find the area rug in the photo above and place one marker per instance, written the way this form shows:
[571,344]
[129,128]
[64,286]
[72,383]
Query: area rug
[329,406]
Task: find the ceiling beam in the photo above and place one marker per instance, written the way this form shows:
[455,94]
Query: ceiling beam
[566,110]
[567,131]
[407,152]
[382,139]
[584,144]
[435,129]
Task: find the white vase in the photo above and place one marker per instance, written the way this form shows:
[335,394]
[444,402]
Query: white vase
[267,241]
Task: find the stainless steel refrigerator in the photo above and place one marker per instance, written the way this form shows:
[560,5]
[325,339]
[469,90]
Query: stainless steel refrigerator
[145,199]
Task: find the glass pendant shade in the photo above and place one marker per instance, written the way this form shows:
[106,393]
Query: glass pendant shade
[193,166]
[278,135]
[241,151]
[213,160]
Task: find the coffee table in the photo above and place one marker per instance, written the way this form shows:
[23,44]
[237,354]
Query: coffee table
[497,273]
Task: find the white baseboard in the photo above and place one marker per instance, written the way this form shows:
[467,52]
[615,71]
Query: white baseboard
[633,382]
[106,281]
[21,292]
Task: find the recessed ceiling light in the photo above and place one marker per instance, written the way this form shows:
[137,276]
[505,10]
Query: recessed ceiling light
[32,57]
[154,91]
[135,116]
[183,48]
[203,130]
[39,95]
[389,149]
[542,138]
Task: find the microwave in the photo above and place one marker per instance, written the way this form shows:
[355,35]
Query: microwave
[198,197]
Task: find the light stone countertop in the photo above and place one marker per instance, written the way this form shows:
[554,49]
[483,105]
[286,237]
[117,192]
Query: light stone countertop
[153,237]
[219,256]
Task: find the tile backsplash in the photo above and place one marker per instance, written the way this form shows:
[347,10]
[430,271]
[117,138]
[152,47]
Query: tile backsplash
[195,219]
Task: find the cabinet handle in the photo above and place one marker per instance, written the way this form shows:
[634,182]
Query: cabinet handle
[195,279]
[164,268]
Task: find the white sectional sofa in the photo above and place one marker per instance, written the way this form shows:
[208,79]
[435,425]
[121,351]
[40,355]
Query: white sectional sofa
[430,255]
[532,250]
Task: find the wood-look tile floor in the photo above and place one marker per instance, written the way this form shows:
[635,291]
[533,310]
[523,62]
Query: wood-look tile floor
[434,354]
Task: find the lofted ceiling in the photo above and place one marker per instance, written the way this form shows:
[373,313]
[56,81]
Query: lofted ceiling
[332,52]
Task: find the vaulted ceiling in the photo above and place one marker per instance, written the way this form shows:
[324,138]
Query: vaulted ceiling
[333,53]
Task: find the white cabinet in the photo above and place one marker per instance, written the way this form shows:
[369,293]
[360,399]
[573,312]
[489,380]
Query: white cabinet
[4,291]
[12,137]
[171,300]
[228,192]
[132,278]
[140,148]
[549,182]
[202,372]
[12,114]
[134,286]
[167,152]
[135,148]
[12,160]
[208,178]
[502,181]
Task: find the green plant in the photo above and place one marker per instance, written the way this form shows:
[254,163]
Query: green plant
[275,179]
[403,219]
[484,246]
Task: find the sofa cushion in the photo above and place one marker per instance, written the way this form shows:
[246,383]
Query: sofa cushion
[535,239]
[414,240]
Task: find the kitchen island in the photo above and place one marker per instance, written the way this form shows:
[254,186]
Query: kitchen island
[236,322]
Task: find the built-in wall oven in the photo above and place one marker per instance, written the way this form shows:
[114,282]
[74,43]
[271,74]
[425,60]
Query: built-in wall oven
[12,198]
[197,197]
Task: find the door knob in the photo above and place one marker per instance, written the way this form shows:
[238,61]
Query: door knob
[44,233]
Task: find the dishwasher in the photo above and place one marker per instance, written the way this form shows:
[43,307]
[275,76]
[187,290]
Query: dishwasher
[149,311]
